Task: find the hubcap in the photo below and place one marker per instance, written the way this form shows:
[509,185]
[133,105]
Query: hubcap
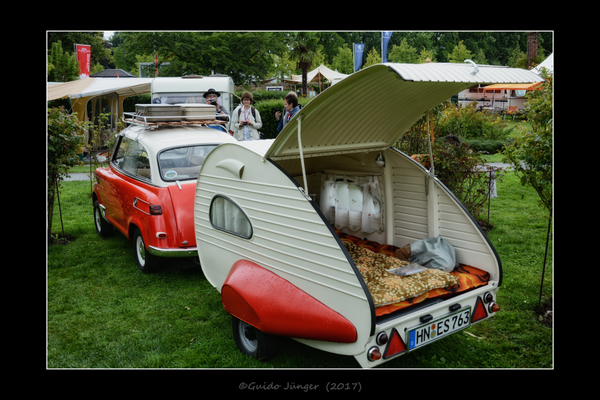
[97,215]
[141,253]
[248,336]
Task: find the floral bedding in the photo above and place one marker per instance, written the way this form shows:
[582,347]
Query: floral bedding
[391,292]
[387,288]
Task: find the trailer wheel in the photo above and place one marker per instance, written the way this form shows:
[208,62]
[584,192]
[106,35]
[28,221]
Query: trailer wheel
[252,341]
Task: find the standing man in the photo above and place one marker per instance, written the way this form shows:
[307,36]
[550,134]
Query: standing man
[212,97]
[290,106]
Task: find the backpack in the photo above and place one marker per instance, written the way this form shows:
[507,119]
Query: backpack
[251,109]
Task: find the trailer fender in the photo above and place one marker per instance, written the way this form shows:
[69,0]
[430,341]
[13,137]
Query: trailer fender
[275,306]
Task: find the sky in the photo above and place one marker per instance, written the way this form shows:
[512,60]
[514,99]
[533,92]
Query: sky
[108,34]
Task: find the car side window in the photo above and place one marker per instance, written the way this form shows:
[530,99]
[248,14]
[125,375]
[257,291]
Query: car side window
[132,158]
[227,216]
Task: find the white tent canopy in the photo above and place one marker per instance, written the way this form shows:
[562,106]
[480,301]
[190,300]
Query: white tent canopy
[90,87]
[107,91]
[318,74]
[548,63]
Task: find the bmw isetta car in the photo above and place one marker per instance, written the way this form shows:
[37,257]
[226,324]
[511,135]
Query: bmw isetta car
[147,191]
[301,235]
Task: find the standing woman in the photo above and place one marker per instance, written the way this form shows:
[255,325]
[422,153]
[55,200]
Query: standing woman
[246,120]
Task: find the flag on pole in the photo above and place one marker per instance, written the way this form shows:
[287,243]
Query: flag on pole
[385,38]
[358,55]
[84,52]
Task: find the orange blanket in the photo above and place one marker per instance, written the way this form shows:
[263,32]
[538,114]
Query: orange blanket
[469,276]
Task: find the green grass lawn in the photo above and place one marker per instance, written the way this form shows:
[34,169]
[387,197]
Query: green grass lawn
[102,312]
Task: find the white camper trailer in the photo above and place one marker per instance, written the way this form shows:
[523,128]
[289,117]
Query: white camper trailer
[191,89]
[303,235]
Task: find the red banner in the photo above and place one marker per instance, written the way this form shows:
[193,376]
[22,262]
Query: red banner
[84,52]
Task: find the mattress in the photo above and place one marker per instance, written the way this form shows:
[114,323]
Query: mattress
[392,292]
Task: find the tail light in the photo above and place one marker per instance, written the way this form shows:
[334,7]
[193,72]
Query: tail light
[488,298]
[155,209]
[374,354]
[382,338]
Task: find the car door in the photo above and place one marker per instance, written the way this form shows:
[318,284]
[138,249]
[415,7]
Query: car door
[131,165]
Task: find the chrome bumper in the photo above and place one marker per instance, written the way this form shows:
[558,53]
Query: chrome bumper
[187,252]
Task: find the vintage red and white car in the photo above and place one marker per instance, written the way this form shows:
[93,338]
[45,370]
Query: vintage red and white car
[147,191]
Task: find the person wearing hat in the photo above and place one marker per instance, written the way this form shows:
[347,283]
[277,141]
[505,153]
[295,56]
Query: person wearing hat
[246,120]
[212,96]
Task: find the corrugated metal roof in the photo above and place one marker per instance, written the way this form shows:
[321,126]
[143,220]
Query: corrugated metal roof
[373,108]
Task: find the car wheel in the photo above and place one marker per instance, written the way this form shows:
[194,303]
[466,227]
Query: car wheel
[146,262]
[103,228]
[252,341]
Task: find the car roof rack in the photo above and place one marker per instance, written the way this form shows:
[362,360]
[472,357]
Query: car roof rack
[153,116]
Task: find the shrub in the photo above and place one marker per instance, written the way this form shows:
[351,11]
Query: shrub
[459,168]
[488,146]
[468,122]
[64,142]
[267,109]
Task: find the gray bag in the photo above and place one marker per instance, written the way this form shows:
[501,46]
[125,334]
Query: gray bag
[433,253]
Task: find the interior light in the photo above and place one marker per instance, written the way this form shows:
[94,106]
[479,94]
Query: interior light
[379,161]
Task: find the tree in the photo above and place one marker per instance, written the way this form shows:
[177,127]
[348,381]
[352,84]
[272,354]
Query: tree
[244,56]
[404,53]
[100,49]
[459,53]
[64,141]
[373,57]
[531,154]
[342,61]
[426,54]
[62,67]
[304,49]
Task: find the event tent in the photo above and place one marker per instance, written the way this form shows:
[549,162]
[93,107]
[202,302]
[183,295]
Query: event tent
[317,74]
[108,94]
[90,87]
[548,63]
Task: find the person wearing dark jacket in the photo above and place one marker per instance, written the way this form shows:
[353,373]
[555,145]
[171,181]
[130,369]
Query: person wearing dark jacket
[291,107]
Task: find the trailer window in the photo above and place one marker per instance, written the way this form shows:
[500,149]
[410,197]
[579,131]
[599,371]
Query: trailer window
[227,216]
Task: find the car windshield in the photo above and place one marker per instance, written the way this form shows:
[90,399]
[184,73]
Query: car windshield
[182,163]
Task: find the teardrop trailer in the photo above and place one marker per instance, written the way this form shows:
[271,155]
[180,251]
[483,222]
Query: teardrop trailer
[299,233]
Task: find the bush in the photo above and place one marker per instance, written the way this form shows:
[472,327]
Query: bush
[458,167]
[264,95]
[488,146]
[267,109]
[64,141]
[468,122]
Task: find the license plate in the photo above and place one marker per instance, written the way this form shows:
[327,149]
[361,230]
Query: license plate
[441,327]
